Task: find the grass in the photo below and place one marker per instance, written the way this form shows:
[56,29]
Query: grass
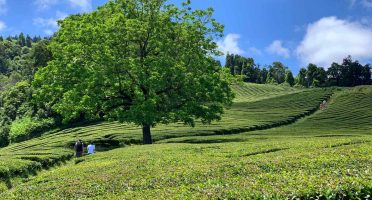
[348,114]
[275,167]
[249,92]
[290,150]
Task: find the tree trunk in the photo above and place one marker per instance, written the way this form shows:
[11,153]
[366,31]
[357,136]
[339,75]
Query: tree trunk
[146,134]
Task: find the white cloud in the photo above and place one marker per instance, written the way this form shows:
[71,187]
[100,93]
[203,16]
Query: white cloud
[229,44]
[48,32]
[45,4]
[255,51]
[49,24]
[367,3]
[2,26]
[330,40]
[60,15]
[276,47]
[352,2]
[46,22]
[3,8]
[84,5]
[364,3]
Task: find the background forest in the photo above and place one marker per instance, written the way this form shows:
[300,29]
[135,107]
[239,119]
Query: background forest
[349,73]
[20,58]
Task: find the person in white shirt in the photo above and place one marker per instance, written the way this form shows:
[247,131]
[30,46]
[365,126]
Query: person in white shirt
[91,147]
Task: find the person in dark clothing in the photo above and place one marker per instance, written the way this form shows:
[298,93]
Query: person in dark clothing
[79,148]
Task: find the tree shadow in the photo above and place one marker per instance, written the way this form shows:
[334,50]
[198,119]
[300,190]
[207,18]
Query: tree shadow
[209,141]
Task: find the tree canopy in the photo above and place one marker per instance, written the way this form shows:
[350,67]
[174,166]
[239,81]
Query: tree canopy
[245,67]
[349,73]
[139,61]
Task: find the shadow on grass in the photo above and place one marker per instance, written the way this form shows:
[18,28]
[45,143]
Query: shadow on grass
[204,141]
[348,143]
[8,183]
[337,135]
[265,151]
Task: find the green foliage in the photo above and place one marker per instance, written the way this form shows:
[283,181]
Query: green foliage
[20,57]
[301,78]
[4,136]
[289,79]
[143,62]
[276,73]
[17,60]
[41,54]
[27,128]
[16,102]
[349,73]
[245,67]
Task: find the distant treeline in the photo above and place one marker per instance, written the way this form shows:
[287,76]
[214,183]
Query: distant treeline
[347,74]
[20,57]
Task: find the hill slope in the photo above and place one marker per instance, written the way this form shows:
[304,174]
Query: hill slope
[261,167]
[247,92]
[284,162]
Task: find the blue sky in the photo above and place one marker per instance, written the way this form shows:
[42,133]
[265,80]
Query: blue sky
[294,32]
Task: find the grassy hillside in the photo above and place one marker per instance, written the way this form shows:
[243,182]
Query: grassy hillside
[348,111]
[253,92]
[45,151]
[347,114]
[326,153]
[263,167]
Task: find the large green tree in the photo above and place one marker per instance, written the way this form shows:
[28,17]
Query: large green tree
[301,78]
[139,61]
[41,55]
[289,78]
[350,73]
[276,73]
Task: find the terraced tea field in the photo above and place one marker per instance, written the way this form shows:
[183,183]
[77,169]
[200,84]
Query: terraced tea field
[265,147]
[259,168]
[254,92]
[348,114]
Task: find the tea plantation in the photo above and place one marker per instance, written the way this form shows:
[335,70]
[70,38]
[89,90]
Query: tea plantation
[273,143]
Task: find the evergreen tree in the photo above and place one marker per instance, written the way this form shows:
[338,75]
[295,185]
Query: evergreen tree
[301,78]
[41,55]
[350,73]
[320,77]
[36,39]
[276,73]
[289,78]
[3,65]
[28,41]
[21,40]
[230,62]
[263,75]
[334,75]
[311,73]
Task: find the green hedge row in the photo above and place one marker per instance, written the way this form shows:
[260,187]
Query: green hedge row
[27,128]
[25,165]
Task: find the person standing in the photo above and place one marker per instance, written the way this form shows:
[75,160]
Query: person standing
[91,147]
[79,148]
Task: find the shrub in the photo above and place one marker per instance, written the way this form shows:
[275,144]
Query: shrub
[27,128]
[4,136]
